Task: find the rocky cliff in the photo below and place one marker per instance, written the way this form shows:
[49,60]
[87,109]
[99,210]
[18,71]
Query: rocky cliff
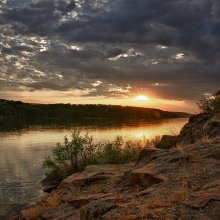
[182,182]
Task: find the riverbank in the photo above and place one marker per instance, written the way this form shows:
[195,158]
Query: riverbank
[178,180]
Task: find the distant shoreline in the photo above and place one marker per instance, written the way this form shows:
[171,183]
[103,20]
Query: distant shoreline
[28,111]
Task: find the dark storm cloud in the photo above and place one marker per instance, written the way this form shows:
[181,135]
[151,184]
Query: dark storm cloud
[67,44]
[191,25]
[40,17]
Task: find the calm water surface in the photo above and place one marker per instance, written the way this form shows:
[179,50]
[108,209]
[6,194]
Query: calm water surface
[23,150]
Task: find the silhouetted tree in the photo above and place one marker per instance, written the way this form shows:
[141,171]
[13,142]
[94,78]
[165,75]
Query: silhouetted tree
[210,103]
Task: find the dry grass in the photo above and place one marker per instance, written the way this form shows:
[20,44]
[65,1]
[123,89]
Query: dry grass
[100,187]
[193,156]
[162,205]
[93,188]
[165,203]
[206,139]
[194,170]
[165,207]
[179,195]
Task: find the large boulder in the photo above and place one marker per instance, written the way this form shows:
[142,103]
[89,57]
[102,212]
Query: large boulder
[200,126]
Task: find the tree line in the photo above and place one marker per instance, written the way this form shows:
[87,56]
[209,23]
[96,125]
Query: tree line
[20,110]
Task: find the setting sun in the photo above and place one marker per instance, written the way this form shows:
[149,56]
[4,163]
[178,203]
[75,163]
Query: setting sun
[141,98]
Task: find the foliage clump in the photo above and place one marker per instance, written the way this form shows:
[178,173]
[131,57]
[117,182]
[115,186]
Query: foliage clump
[210,103]
[76,153]
[71,155]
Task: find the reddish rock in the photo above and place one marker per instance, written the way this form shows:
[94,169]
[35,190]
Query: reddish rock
[83,179]
[201,198]
[63,212]
[79,201]
[201,217]
[145,192]
[146,176]
[146,154]
[201,125]
[24,215]
[96,209]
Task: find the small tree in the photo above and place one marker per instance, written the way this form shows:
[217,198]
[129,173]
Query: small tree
[72,155]
[210,103]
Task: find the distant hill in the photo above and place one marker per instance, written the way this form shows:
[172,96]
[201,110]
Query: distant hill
[28,111]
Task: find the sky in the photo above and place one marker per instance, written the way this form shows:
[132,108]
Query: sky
[150,53]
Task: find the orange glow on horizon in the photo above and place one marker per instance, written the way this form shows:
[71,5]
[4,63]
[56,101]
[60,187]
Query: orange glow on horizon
[74,97]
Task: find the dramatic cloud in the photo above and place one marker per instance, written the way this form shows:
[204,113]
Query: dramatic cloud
[110,48]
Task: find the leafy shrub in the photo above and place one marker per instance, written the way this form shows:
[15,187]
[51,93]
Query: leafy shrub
[72,155]
[210,103]
[118,151]
[112,151]
[81,150]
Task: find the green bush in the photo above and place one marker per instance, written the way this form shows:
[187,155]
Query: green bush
[211,103]
[72,155]
[81,150]
[112,151]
